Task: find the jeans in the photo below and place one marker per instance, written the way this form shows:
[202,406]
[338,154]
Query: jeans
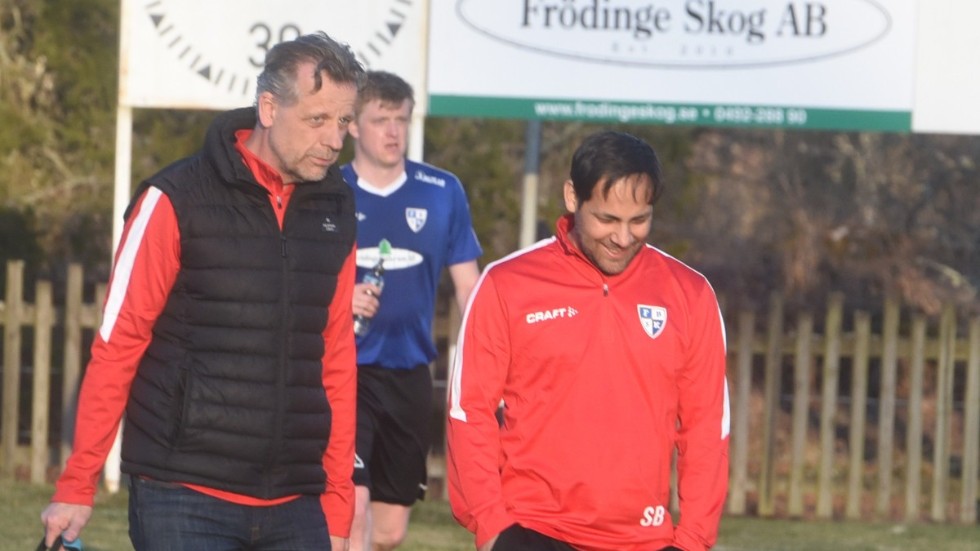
[170,517]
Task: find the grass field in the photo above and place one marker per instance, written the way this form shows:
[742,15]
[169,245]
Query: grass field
[432,529]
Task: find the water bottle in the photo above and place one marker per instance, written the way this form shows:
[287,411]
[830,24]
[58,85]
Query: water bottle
[60,543]
[374,276]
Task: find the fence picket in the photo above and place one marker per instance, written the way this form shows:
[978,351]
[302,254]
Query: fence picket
[771,409]
[944,410]
[886,405]
[739,443]
[971,428]
[13,309]
[73,358]
[859,404]
[41,372]
[913,437]
[801,411]
[828,401]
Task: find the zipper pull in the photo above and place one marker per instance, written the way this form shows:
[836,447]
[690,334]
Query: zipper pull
[605,289]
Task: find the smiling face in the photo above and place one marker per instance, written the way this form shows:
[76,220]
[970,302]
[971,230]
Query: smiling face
[611,227]
[305,137]
[381,131]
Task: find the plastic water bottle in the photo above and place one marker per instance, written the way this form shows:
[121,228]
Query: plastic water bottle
[374,276]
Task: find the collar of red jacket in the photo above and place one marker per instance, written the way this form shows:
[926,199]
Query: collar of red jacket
[264,174]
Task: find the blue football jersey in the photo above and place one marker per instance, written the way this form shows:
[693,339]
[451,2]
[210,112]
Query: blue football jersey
[426,219]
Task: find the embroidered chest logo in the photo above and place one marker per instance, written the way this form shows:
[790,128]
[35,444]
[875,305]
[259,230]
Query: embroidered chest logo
[328,225]
[653,319]
[416,218]
[546,315]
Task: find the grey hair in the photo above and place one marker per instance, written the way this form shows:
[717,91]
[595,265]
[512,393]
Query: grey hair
[282,61]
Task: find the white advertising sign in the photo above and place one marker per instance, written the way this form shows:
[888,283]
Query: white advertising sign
[844,64]
[947,79]
[207,54]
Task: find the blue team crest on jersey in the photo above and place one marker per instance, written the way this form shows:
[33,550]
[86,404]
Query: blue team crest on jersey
[653,319]
[416,218]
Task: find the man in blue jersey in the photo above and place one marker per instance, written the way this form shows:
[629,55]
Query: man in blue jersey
[422,213]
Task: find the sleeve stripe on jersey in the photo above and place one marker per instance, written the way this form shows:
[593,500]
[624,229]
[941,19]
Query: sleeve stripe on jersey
[456,410]
[124,265]
[726,417]
[726,422]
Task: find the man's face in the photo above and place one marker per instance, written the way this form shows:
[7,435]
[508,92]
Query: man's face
[306,137]
[381,131]
[610,230]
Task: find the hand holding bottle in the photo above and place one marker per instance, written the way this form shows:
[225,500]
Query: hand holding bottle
[366,303]
[366,293]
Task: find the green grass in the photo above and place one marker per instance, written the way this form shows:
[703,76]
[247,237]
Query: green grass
[432,529]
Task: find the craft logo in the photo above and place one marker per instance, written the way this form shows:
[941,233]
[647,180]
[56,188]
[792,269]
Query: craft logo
[548,315]
[653,319]
[416,218]
[682,33]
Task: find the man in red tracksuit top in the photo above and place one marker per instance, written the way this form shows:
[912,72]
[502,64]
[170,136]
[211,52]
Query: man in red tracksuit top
[606,355]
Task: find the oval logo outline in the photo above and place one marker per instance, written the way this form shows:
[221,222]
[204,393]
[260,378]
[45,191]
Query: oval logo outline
[469,21]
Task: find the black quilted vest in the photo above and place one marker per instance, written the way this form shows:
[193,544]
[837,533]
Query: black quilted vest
[229,392]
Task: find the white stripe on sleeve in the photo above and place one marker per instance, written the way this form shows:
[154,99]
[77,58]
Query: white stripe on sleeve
[455,390]
[124,266]
[726,418]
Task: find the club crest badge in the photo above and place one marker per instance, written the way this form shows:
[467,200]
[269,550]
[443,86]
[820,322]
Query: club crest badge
[653,319]
[416,218]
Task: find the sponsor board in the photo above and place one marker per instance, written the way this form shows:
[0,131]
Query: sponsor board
[825,64]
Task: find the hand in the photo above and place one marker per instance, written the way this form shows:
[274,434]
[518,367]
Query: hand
[66,519]
[489,545]
[366,301]
[338,543]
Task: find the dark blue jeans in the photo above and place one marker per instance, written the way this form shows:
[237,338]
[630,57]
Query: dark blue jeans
[171,517]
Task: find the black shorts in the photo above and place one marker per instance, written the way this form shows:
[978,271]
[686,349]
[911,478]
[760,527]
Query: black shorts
[519,538]
[394,416]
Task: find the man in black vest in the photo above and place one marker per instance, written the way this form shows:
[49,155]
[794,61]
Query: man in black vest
[227,334]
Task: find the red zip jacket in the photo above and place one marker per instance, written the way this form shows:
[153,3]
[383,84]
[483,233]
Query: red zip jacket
[601,378]
[145,268]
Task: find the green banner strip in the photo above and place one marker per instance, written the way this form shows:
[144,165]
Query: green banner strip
[753,116]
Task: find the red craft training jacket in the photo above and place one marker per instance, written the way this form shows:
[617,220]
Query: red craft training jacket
[602,378]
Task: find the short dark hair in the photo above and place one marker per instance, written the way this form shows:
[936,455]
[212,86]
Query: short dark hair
[610,156]
[389,88]
[282,62]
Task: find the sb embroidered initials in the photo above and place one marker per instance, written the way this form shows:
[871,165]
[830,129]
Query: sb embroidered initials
[653,516]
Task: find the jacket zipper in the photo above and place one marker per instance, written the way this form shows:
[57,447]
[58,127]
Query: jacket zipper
[271,458]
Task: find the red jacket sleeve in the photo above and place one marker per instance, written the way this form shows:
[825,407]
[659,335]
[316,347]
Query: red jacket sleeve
[145,268]
[472,435]
[702,445]
[340,384]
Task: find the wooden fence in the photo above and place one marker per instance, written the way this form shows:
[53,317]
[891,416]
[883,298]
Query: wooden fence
[42,317]
[843,423]
[797,451]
